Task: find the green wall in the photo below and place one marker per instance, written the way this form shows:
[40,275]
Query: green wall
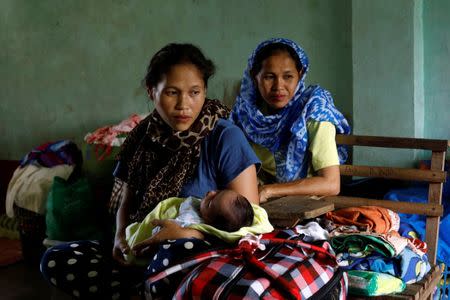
[69,67]
[387,76]
[437,68]
[400,74]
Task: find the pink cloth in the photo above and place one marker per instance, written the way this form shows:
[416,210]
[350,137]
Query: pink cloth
[106,136]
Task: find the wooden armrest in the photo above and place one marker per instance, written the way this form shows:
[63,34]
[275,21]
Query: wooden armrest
[393,173]
[392,142]
[427,209]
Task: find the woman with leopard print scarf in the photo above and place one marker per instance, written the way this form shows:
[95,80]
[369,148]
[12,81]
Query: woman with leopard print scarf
[185,147]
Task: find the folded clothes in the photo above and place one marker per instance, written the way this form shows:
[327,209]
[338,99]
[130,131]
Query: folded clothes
[366,218]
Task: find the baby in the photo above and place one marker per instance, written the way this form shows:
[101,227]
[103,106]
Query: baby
[224,210]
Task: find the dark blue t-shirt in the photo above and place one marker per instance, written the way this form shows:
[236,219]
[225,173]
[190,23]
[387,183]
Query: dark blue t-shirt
[224,154]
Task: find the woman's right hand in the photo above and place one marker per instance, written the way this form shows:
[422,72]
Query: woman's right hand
[264,193]
[119,249]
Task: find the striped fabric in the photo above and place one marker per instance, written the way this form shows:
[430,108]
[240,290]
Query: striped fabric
[9,227]
[286,269]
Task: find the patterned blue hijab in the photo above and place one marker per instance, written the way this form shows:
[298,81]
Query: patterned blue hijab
[285,133]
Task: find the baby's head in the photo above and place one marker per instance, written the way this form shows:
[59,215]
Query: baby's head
[226,210]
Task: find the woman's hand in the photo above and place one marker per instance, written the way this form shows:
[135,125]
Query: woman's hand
[119,249]
[170,230]
[264,193]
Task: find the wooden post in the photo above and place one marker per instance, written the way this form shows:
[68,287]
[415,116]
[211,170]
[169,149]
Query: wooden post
[434,196]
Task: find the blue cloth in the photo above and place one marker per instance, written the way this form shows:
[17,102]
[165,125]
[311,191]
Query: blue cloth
[85,270]
[53,154]
[167,256]
[224,154]
[284,133]
[408,265]
[419,194]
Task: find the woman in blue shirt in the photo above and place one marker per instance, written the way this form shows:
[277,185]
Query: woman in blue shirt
[185,147]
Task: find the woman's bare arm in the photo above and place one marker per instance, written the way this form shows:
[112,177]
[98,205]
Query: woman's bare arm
[246,184]
[326,183]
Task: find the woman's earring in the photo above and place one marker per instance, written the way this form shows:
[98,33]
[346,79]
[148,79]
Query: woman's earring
[149,93]
[150,99]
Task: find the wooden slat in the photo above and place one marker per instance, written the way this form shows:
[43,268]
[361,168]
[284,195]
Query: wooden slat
[392,142]
[434,197]
[427,209]
[288,211]
[393,173]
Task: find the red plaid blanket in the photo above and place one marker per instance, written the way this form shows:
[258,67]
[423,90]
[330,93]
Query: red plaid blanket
[274,268]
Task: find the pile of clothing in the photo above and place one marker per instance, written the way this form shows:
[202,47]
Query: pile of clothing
[368,246]
[414,225]
[28,189]
[32,180]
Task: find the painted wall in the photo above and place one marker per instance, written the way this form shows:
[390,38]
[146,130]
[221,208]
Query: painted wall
[387,76]
[69,67]
[437,68]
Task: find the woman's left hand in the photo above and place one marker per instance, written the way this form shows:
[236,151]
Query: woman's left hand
[170,230]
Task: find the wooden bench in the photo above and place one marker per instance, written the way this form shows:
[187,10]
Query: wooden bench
[283,213]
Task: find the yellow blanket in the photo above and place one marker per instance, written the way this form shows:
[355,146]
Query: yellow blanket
[168,209]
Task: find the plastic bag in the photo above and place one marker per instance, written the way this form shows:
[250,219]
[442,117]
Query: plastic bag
[73,213]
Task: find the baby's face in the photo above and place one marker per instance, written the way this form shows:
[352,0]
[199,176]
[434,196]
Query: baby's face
[217,203]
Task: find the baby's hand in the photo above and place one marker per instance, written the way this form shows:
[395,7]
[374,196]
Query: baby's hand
[169,230]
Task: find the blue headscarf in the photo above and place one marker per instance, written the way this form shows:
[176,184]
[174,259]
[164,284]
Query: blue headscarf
[285,133]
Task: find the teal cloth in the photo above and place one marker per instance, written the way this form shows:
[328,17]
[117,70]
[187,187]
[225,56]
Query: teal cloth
[72,212]
[360,243]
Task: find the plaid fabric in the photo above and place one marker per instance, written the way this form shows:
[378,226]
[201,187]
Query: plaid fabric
[287,269]
[29,222]
[114,201]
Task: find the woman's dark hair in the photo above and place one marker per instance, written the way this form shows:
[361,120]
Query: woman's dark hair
[242,216]
[270,50]
[174,54]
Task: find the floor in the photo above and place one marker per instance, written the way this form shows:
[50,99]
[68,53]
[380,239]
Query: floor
[22,281]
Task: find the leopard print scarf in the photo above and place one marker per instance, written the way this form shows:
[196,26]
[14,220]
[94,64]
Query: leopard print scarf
[160,160]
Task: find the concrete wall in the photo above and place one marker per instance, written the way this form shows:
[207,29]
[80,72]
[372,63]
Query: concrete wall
[400,74]
[387,43]
[69,67]
[437,68]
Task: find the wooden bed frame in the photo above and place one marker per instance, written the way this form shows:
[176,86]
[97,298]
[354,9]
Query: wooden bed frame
[432,210]
[284,213]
